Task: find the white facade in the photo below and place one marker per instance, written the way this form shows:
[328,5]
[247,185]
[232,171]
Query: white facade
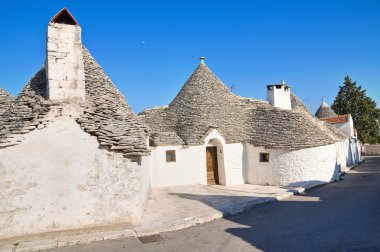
[64,63]
[292,168]
[279,96]
[190,165]
[347,127]
[240,163]
[57,178]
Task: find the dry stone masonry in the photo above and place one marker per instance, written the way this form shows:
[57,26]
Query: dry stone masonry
[5,100]
[64,62]
[108,116]
[29,111]
[324,111]
[205,103]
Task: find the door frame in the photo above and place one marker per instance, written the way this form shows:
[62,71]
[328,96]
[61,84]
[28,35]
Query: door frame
[215,165]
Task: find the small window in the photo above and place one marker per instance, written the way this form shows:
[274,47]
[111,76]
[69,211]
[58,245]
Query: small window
[170,156]
[264,157]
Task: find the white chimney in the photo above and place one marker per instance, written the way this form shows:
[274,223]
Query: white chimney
[278,95]
[202,60]
[64,59]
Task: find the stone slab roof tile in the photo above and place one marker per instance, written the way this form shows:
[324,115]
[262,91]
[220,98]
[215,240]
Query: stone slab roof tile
[106,113]
[324,111]
[204,102]
[26,112]
[5,100]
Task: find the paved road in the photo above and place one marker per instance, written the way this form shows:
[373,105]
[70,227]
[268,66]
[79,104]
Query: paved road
[342,216]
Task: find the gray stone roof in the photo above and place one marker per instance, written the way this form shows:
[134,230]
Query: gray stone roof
[204,103]
[28,111]
[106,113]
[5,100]
[324,111]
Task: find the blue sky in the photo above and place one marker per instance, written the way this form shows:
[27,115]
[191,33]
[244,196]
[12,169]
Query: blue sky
[150,48]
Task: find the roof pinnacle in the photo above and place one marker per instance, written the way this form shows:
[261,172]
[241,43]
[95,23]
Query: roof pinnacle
[202,59]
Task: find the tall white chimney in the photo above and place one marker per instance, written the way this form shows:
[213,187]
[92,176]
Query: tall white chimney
[64,59]
[278,95]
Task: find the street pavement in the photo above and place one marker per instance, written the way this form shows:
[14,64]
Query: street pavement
[341,216]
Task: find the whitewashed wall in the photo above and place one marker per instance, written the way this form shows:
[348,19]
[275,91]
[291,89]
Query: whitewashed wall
[296,168]
[58,178]
[347,127]
[190,165]
[188,168]
[342,153]
[260,173]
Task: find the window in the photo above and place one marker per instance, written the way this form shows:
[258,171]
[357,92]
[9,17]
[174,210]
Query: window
[264,157]
[170,156]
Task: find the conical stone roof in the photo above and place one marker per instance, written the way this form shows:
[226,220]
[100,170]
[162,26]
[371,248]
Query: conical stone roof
[106,113]
[5,100]
[325,111]
[204,103]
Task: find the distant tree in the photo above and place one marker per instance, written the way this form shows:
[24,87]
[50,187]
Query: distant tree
[351,99]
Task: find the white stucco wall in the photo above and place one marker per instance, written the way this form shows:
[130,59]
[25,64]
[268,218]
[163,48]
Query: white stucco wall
[58,178]
[260,173]
[190,165]
[347,128]
[296,168]
[342,153]
[187,170]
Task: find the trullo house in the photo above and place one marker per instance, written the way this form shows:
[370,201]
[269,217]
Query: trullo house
[74,155]
[208,135]
[350,148]
[70,146]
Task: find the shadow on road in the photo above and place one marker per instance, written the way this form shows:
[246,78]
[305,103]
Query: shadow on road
[341,216]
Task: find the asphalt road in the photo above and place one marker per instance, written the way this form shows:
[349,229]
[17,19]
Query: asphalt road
[342,216]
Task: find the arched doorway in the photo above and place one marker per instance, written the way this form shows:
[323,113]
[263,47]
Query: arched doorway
[214,162]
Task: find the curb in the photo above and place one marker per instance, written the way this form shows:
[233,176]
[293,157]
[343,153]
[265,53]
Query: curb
[37,245]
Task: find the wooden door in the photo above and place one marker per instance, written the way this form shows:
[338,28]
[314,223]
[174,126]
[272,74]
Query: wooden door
[212,166]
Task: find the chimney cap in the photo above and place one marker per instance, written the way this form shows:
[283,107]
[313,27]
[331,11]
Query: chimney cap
[282,82]
[64,17]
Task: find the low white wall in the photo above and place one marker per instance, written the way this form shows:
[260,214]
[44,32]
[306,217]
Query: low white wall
[372,149]
[58,178]
[296,168]
[233,164]
[342,153]
[190,165]
[188,169]
[259,173]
